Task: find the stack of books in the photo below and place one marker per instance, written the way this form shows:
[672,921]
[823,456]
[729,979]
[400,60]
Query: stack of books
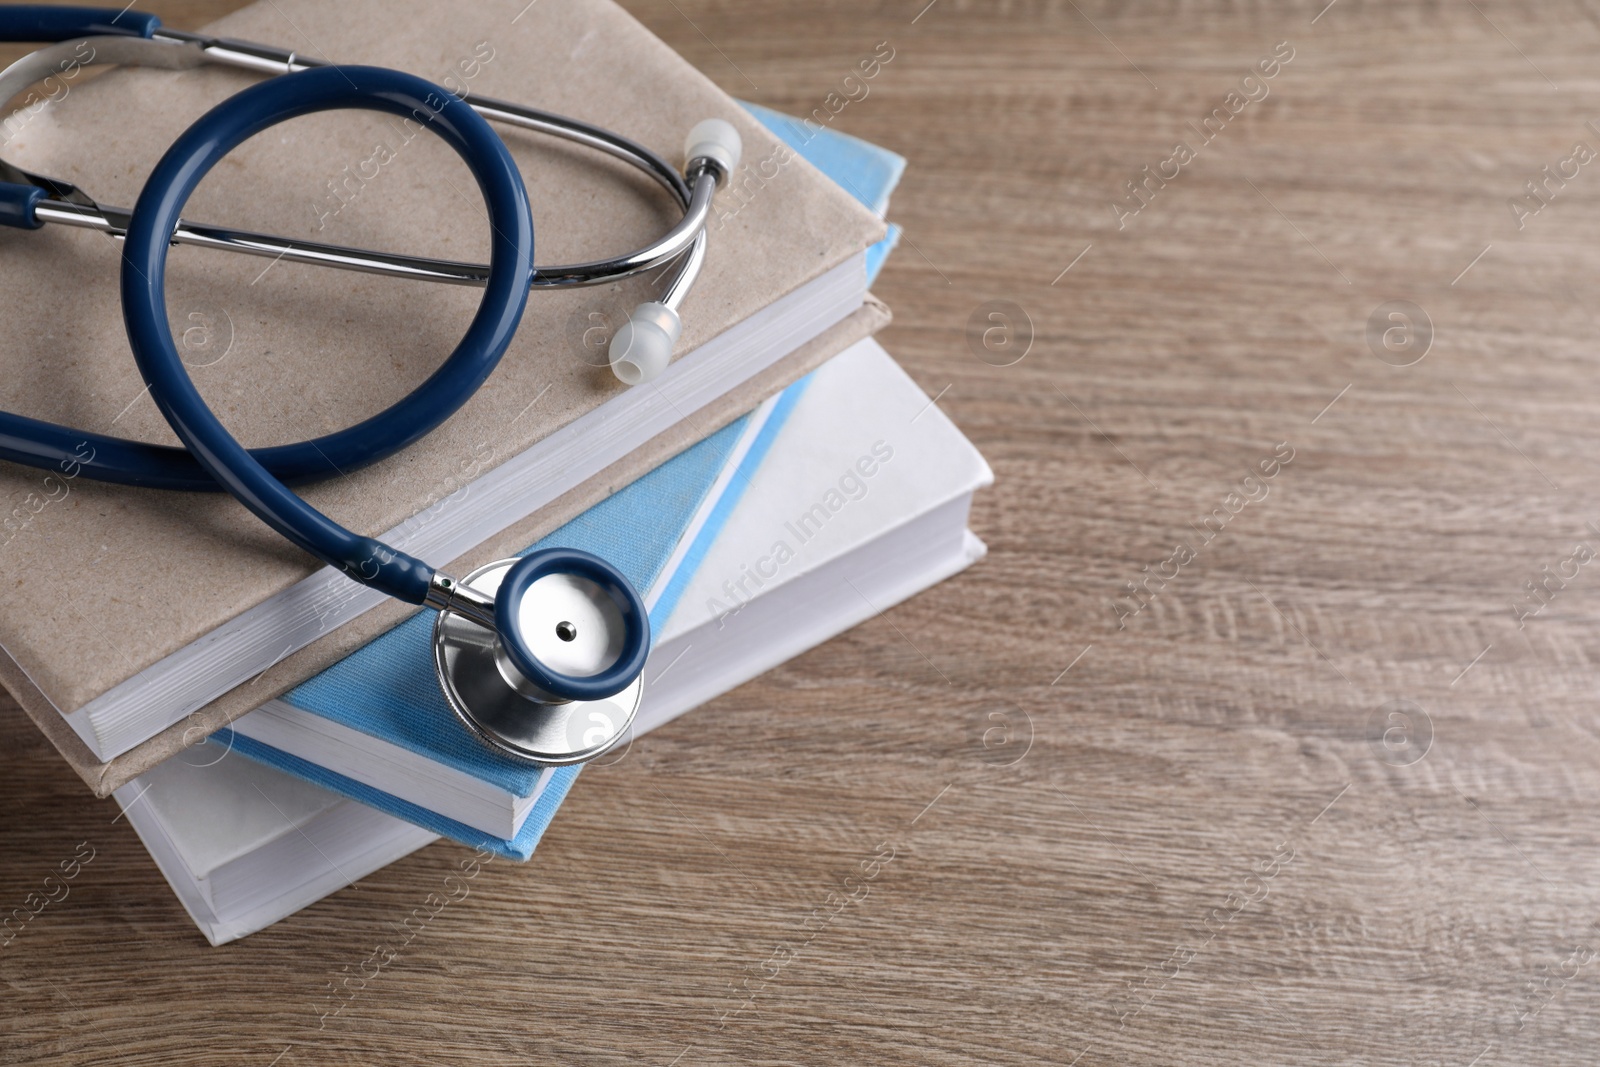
[274,731]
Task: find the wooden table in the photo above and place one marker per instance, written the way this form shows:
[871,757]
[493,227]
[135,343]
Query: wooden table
[1321,790]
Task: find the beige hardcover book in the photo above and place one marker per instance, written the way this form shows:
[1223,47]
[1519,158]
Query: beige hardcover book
[137,621]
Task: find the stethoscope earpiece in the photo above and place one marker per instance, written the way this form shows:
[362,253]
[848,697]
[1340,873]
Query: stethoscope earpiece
[641,349]
[557,678]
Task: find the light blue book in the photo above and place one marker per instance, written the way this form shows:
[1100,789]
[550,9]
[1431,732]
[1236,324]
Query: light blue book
[386,689]
[868,172]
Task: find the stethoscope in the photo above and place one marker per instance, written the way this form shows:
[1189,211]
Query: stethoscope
[540,655]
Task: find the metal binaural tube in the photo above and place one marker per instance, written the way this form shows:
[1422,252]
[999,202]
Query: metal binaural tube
[684,242]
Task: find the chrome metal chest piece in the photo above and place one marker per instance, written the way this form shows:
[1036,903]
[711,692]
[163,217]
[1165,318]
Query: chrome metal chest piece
[575,626]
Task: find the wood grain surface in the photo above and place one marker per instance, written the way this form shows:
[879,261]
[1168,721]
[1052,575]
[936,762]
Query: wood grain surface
[1321,791]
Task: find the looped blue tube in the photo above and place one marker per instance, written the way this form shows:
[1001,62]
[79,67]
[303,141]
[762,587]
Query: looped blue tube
[144,260]
[636,623]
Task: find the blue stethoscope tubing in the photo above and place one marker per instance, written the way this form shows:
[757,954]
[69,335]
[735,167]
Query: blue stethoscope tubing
[212,458]
[366,559]
[144,262]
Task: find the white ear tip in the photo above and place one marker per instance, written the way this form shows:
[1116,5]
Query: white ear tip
[641,350]
[638,354]
[714,139]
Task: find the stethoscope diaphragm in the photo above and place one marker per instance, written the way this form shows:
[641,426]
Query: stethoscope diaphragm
[575,625]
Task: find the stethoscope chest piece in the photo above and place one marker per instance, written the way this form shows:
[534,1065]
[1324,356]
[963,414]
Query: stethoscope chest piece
[540,656]
[576,628]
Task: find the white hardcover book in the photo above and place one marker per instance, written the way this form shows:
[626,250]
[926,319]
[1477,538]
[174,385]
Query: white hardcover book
[243,845]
